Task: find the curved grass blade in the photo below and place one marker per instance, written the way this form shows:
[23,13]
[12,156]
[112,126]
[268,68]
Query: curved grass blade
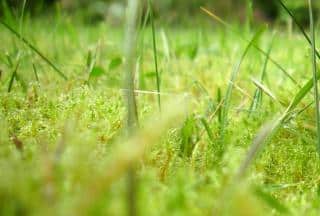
[32,47]
[230,28]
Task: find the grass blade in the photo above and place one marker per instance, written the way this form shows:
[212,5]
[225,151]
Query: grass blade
[35,72]
[155,55]
[144,21]
[32,47]
[132,114]
[207,129]
[22,16]
[315,74]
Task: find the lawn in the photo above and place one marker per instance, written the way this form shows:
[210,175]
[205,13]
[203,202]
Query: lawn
[63,145]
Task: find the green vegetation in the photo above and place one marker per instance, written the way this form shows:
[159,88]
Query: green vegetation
[81,132]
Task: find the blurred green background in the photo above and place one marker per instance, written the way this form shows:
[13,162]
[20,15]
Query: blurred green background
[166,10]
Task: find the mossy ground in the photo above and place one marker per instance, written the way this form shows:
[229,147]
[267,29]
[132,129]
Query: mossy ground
[57,136]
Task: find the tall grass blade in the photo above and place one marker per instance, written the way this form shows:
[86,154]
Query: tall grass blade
[140,60]
[230,28]
[155,55]
[132,115]
[315,74]
[36,50]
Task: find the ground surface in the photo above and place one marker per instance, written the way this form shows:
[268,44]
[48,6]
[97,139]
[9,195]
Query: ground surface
[57,136]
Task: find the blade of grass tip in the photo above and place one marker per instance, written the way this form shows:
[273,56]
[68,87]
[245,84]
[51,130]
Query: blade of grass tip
[32,47]
[267,91]
[132,115]
[315,74]
[35,72]
[235,71]
[165,42]
[155,52]
[13,77]
[300,95]
[230,28]
[295,20]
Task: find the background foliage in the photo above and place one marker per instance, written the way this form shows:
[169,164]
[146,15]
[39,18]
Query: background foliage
[167,9]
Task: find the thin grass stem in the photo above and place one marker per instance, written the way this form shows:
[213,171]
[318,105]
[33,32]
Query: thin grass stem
[315,74]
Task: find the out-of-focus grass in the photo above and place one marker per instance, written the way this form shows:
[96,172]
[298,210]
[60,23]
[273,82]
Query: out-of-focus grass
[58,137]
